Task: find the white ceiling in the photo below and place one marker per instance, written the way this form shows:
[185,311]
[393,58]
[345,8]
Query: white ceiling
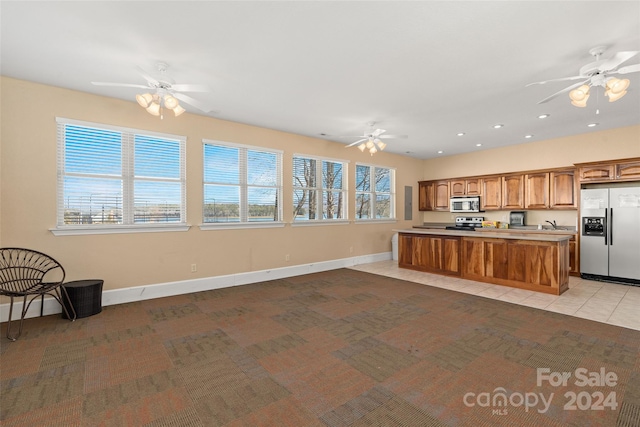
[427,69]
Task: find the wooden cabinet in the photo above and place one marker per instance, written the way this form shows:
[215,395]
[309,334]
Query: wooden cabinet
[425,195]
[551,190]
[441,197]
[465,187]
[527,264]
[629,171]
[615,170]
[574,266]
[536,190]
[436,254]
[433,195]
[563,191]
[513,192]
[491,193]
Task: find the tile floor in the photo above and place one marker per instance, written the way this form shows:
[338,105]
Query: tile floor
[599,301]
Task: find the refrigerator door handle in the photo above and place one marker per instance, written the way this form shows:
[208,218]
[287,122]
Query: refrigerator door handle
[611,226]
[606,227]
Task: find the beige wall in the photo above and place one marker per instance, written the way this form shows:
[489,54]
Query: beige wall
[612,144]
[28,196]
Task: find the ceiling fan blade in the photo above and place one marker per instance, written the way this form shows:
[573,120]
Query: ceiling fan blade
[628,69]
[565,90]
[616,60]
[556,80]
[120,84]
[190,88]
[152,81]
[347,136]
[189,100]
[393,136]
[354,143]
[378,132]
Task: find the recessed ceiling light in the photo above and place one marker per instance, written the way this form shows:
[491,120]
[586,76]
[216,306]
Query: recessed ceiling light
[528,136]
[478,145]
[440,151]
[461,133]
[543,116]
[498,126]
[592,125]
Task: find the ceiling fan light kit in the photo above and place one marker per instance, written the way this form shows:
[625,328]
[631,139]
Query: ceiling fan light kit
[598,73]
[372,141]
[167,93]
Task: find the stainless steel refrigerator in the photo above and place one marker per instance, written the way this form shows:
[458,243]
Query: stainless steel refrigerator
[610,234]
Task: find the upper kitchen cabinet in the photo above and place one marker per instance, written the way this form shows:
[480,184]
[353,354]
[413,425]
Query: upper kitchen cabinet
[491,193]
[628,171]
[441,196]
[563,192]
[551,190]
[425,195]
[536,190]
[613,170]
[433,195]
[513,191]
[465,187]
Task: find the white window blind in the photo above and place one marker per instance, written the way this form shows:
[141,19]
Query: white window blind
[319,189]
[242,184]
[111,176]
[375,192]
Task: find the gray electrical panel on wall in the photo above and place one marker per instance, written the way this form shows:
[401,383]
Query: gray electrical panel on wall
[408,202]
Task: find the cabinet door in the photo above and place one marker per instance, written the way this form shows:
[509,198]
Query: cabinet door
[573,258]
[596,173]
[537,190]
[513,192]
[563,191]
[628,171]
[441,198]
[405,250]
[473,187]
[425,195]
[491,193]
[457,187]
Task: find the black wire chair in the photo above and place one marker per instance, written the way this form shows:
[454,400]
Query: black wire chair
[22,274]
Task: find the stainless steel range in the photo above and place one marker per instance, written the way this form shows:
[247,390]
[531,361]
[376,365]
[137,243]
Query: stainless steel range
[469,223]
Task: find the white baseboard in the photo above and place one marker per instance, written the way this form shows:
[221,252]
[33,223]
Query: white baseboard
[159,290]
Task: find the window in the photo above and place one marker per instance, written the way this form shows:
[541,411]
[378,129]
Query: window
[111,177]
[375,192]
[319,189]
[242,184]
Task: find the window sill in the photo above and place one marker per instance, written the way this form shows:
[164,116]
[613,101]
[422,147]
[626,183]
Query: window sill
[117,229]
[376,221]
[318,222]
[239,225]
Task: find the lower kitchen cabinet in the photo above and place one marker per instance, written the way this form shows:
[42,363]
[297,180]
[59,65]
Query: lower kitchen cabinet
[436,254]
[537,265]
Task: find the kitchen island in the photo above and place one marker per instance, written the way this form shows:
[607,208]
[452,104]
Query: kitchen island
[537,262]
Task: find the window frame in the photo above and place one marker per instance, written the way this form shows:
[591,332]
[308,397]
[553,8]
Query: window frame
[127,178]
[244,186]
[373,193]
[320,189]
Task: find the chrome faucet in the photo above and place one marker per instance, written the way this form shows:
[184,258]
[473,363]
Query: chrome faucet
[553,224]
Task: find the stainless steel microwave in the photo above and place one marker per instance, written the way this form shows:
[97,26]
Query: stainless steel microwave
[464,204]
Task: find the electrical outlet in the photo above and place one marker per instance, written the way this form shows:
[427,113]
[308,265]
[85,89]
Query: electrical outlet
[194,268]
[287,257]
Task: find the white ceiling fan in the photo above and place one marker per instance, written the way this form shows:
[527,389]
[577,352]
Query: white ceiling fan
[163,92]
[371,141]
[598,73]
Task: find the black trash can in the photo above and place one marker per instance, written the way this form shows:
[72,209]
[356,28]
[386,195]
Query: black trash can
[85,296]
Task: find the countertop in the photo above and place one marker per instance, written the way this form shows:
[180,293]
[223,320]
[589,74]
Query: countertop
[527,229]
[493,233]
